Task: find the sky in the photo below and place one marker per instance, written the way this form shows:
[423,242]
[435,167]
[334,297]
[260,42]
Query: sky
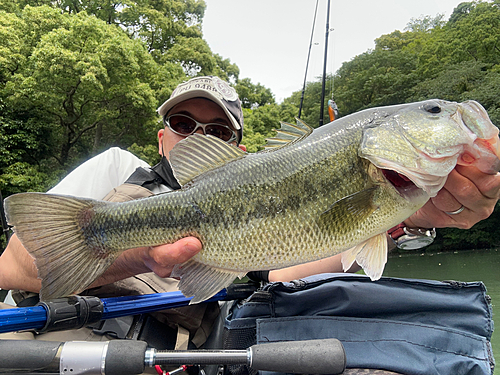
[269,40]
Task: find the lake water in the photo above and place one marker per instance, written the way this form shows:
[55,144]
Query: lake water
[477,265]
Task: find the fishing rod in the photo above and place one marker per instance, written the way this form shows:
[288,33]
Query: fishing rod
[123,357]
[324,66]
[75,311]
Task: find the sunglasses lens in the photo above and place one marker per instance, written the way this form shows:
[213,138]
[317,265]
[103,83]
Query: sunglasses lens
[182,125]
[219,131]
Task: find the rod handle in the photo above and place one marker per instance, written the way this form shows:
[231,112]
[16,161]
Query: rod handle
[29,355]
[115,357]
[325,356]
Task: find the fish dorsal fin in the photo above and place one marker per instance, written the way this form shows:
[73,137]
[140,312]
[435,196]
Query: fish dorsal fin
[198,154]
[288,134]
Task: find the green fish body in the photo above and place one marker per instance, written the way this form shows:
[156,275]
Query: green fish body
[310,195]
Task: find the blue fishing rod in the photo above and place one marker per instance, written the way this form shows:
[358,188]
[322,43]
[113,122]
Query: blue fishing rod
[79,311]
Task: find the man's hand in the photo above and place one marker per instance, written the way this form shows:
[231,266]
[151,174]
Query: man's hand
[162,259]
[466,186]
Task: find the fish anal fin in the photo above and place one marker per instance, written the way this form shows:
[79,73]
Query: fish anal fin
[198,154]
[371,255]
[201,281]
[348,257]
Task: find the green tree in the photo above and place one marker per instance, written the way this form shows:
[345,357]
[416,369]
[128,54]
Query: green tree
[425,24]
[24,136]
[374,78]
[461,11]
[472,33]
[469,80]
[12,55]
[253,95]
[170,29]
[90,81]
[394,41]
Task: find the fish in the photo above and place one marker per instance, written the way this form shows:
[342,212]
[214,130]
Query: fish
[310,194]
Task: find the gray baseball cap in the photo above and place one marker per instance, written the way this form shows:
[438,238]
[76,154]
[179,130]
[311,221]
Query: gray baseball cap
[214,89]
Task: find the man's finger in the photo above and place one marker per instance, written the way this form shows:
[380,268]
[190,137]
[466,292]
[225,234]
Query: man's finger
[176,253]
[488,185]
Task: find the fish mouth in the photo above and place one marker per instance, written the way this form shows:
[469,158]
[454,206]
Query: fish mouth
[425,147]
[400,182]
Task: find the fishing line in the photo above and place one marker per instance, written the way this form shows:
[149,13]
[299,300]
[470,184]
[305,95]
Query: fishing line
[332,66]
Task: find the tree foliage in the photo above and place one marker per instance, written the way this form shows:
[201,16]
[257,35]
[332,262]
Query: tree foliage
[78,76]
[89,80]
[253,96]
[456,60]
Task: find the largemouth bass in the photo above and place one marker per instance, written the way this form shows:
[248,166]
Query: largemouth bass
[309,195]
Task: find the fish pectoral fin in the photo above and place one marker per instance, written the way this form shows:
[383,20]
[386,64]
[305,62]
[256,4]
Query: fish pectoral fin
[371,255]
[349,210]
[201,281]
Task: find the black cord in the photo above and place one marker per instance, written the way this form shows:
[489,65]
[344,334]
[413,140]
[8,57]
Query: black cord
[3,218]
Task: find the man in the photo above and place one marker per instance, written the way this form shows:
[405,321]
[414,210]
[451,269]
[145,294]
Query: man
[204,105]
[209,105]
[207,100]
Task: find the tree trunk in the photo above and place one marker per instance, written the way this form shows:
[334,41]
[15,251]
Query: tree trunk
[97,137]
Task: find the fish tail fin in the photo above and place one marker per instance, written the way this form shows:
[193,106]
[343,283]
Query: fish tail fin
[49,227]
[371,255]
[201,281]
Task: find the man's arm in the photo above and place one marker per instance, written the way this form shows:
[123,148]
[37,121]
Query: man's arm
[18,271]
[327,265]
[17,268]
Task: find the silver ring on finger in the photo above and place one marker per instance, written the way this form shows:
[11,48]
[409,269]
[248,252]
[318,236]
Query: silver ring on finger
[455,212]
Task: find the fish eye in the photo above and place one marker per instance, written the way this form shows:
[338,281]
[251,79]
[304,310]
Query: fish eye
[432,107]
